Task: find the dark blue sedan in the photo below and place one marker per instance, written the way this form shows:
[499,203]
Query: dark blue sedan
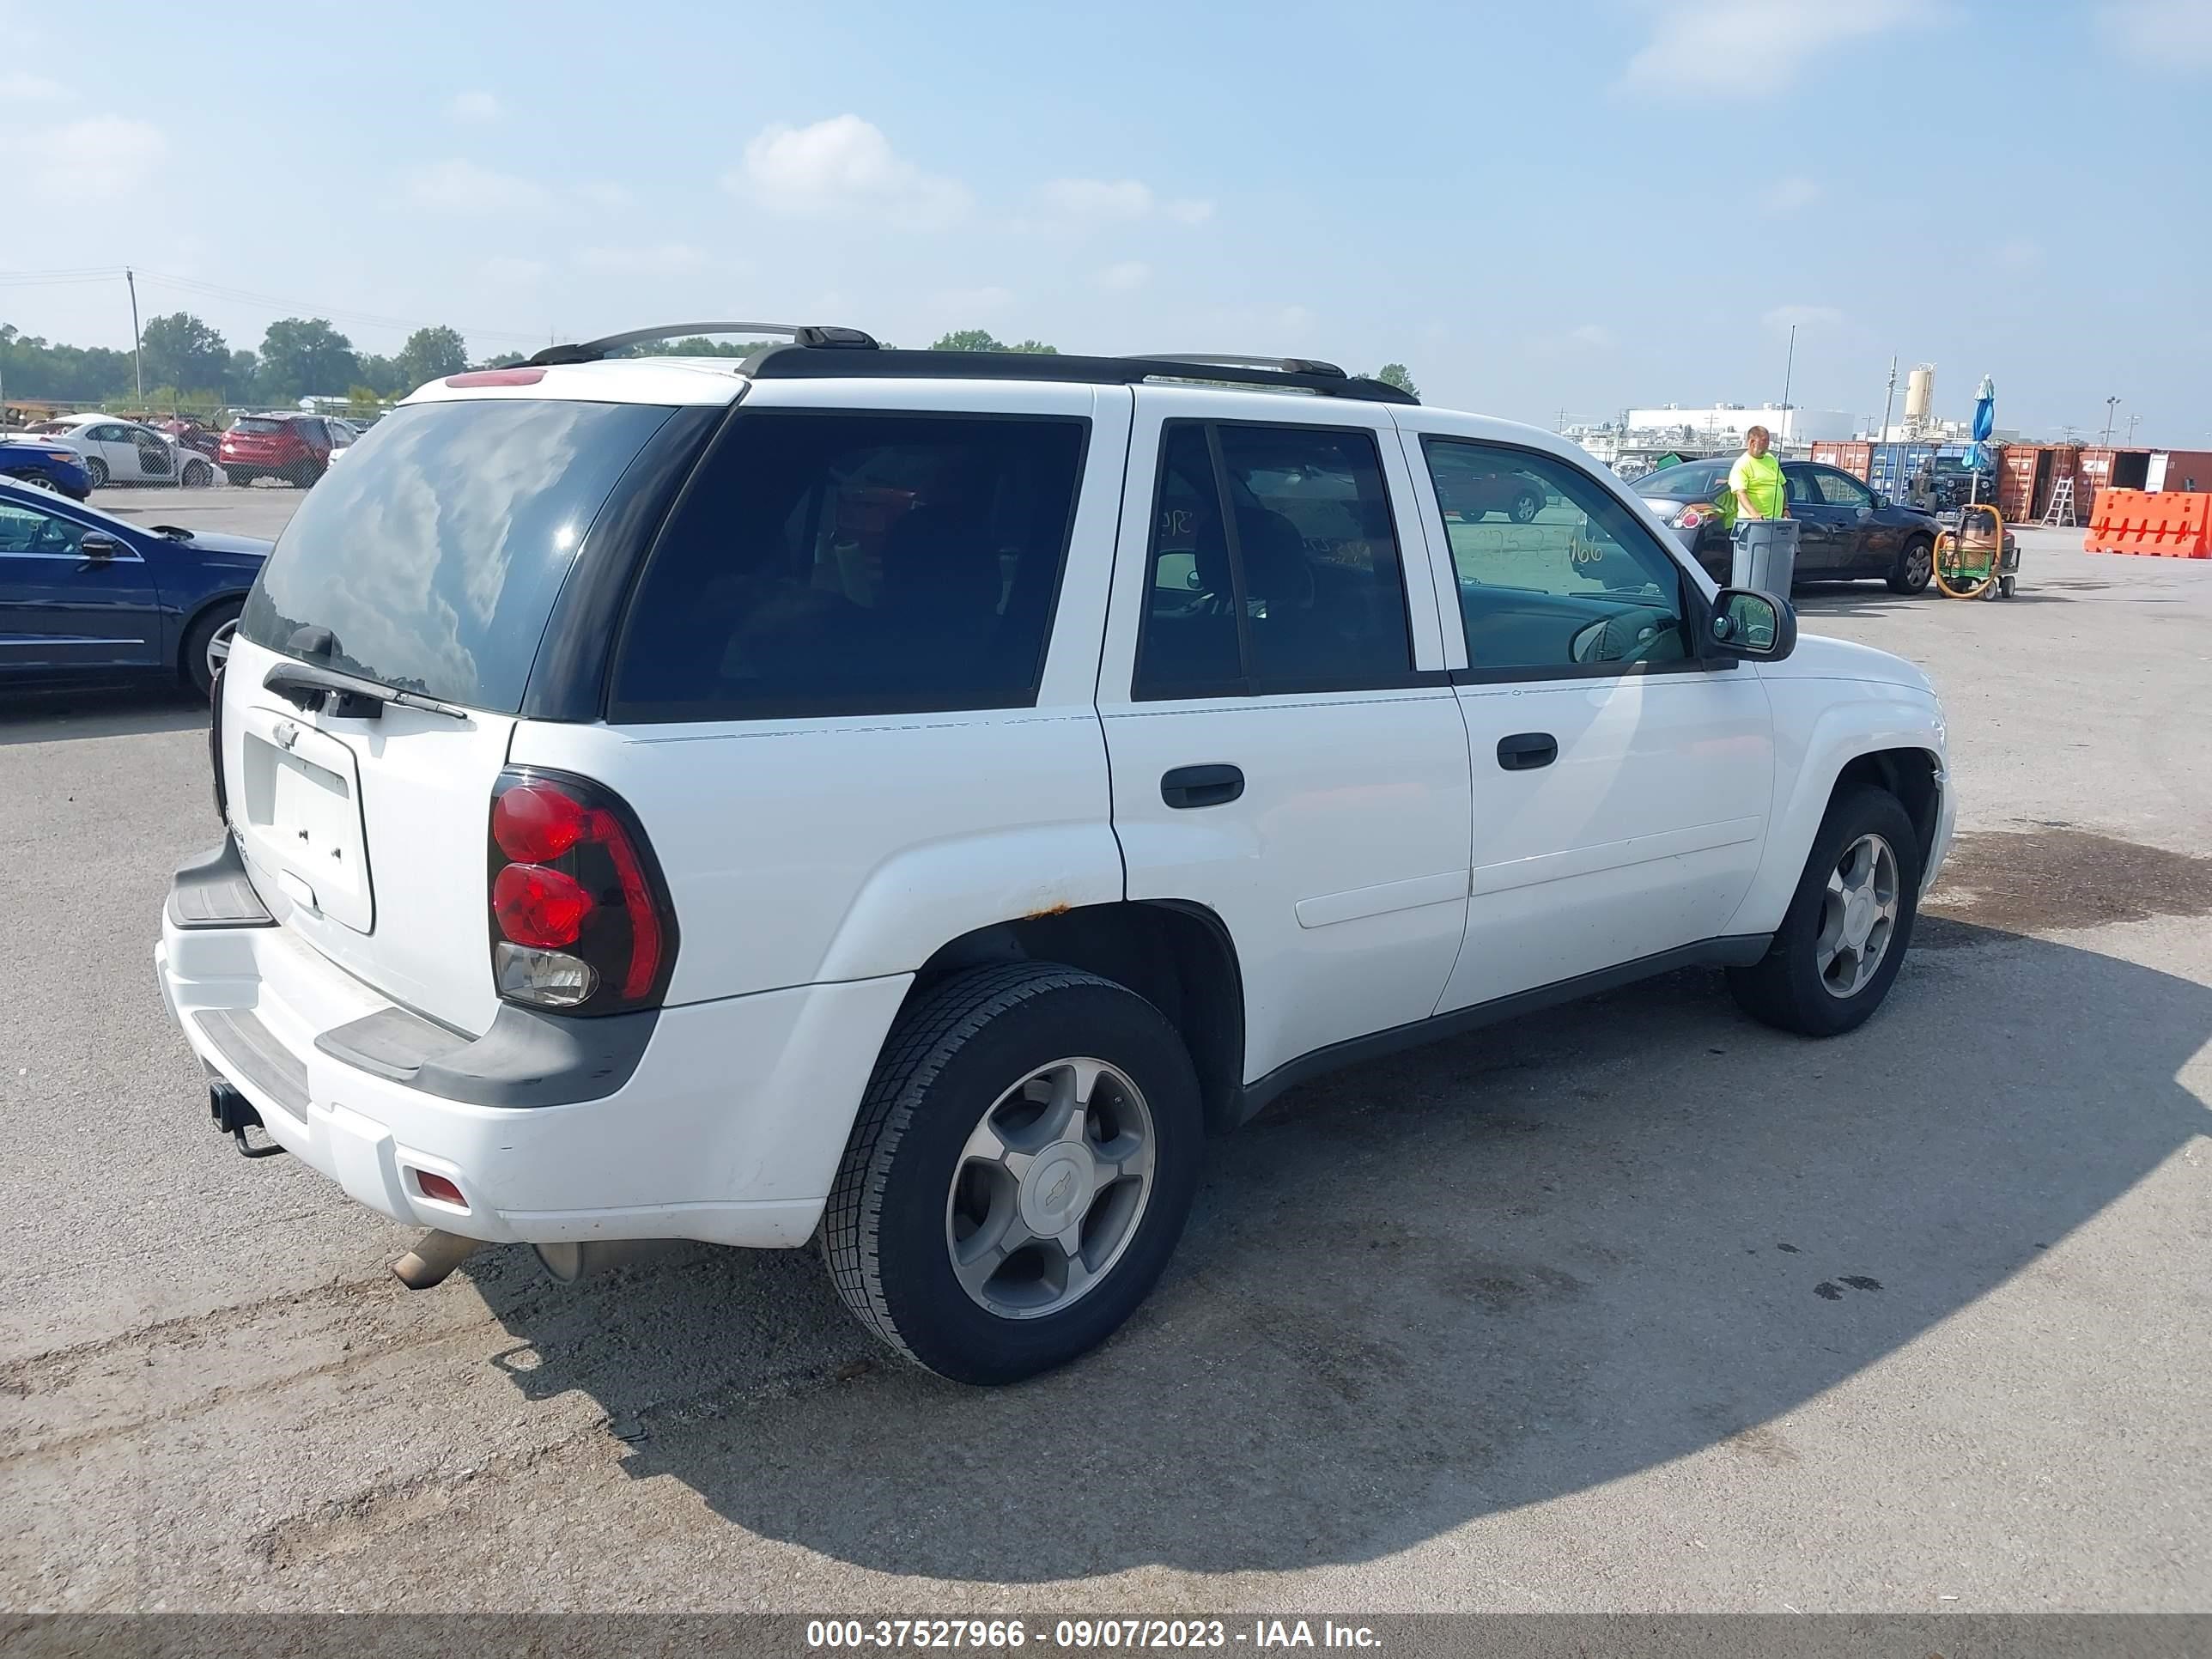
[45,466]
[87,595]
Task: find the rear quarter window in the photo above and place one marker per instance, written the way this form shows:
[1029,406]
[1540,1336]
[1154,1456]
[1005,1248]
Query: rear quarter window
[824,562]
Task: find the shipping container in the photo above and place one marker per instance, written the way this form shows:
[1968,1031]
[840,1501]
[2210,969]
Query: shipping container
[1891,467]
[2181,469]
[1854,459]
[2028,474]
[2100,468]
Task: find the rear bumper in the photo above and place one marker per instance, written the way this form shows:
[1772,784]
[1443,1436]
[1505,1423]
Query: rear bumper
[728,1126]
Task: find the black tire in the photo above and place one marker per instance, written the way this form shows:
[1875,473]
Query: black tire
[96,469]
[1472,514]
[192,657]
[197,475]
[953,1053]
[1526,505]
[303,475]
[1784,988]
[1915,567]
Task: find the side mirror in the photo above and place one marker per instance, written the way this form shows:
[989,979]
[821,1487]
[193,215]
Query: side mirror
[96,545]
[1880,500]
[1754,625]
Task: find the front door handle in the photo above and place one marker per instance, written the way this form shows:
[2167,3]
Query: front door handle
[1524,752]
[1202,786]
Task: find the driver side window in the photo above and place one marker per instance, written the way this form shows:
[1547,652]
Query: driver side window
[1580,587]
[26,530]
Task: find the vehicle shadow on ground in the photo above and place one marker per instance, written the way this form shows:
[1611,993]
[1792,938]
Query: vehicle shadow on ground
[1464,1280]
[105,711]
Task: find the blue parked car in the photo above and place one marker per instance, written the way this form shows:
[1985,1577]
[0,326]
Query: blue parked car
[46,466]
[87,595]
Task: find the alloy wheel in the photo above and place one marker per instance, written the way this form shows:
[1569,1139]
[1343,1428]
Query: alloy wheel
[1049,1188]
[1858,916]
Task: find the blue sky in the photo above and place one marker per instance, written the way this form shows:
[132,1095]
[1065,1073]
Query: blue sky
[1538,208]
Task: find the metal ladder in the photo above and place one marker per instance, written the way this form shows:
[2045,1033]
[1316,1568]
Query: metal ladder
[2061,509]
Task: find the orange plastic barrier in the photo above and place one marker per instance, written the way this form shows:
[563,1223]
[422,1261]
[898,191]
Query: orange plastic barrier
[2168,523]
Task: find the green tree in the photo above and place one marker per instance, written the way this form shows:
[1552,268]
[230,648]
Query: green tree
[238,381]
[305,357]
[979,339]
[1395,374]
[431,354]
[181,350]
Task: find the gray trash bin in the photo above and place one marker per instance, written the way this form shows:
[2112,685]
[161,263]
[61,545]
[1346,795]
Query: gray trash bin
[1766,556]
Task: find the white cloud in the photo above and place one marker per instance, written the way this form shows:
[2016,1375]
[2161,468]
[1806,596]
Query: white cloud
[1583,337]
[1126,275]
[1752,48]
[456,186]
[668,259]
[1788,195]
[1109,201]
[479,107]
[2167,34]
[973,302]
[1782,318]
[106,157]
[17,86]
[603,193]
[844,165]
[506,271]
[1098,198]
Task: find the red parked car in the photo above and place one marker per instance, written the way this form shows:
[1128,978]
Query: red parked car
[294,448]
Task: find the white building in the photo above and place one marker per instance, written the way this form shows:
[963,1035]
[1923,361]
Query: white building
[1727,423]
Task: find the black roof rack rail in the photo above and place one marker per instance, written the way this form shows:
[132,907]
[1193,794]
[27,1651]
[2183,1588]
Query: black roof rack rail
[799,361]
[1231,360]
[814,335]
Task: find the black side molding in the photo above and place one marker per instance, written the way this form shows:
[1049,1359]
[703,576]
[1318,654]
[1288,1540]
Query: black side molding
[1733,951]
[528,1058]
[212,890]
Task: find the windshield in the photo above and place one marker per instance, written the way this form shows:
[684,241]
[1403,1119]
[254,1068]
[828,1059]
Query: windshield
[435,554]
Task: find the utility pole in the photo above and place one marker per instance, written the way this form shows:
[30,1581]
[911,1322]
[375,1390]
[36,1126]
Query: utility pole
[1787,367]
[2132,419]
[1887,402]
[137,365]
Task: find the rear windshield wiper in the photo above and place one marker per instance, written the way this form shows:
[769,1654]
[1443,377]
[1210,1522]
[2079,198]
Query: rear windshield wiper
[307,685]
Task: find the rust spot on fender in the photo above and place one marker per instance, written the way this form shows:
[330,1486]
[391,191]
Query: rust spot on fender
[1059,909]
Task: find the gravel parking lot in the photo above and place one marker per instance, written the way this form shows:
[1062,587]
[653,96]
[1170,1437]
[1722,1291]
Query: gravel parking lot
[1634,1306]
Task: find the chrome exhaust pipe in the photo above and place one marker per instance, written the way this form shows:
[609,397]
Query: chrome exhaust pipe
[436,1255]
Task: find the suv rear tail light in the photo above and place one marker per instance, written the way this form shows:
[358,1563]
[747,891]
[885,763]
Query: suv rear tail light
[581,919]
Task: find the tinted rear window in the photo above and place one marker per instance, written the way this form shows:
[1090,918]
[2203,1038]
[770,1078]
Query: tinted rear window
[434,554]
[253,429]
[1685,483]
[840,563]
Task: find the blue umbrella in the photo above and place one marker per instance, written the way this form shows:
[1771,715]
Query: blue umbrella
[1985,420]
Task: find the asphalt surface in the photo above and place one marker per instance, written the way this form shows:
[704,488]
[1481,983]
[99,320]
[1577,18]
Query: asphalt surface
[1633,1306]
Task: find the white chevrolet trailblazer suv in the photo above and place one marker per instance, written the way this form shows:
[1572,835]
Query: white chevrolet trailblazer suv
[910,800]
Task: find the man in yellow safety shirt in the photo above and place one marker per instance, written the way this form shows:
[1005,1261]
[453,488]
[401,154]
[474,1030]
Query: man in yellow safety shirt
[1755,480]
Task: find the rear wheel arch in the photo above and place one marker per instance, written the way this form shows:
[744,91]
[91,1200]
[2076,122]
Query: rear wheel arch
[1179,956]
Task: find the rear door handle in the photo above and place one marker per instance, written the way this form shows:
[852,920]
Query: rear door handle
[1202,786]
[1524,752]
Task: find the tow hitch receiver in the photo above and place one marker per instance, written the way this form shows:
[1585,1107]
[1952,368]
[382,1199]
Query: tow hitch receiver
[233,1115]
